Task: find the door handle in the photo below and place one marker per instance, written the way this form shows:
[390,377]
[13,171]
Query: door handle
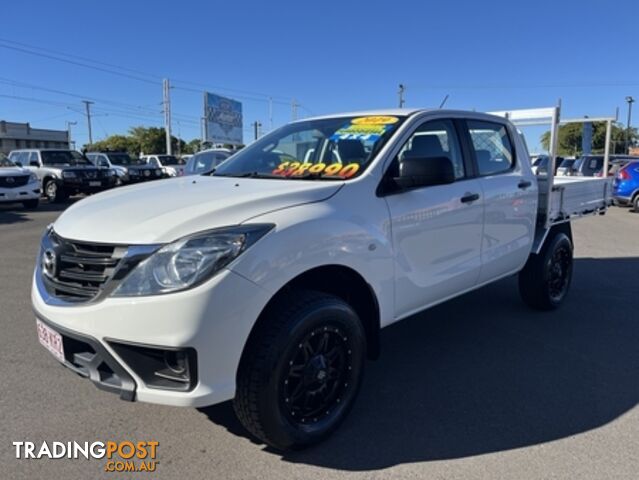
[469,197]
[524,184]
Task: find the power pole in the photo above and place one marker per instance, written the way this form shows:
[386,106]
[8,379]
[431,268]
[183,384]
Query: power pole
[630,101]
[88,104]
[69,134]
[166,87]
[294,106]
[256,129]
[401,91]
[270,114]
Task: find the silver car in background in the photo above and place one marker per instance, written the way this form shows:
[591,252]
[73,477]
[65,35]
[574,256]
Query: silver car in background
[206,160]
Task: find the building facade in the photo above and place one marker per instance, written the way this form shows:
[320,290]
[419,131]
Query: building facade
[20,135]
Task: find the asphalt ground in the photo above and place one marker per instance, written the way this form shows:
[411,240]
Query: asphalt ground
[479,387]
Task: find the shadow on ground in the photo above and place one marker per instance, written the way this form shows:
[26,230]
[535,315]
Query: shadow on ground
[16,213]
[483,374]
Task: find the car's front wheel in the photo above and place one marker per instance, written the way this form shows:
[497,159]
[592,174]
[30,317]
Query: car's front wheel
[54,192]
[301,370]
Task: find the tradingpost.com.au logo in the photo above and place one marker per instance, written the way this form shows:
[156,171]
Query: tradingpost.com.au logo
[122,456]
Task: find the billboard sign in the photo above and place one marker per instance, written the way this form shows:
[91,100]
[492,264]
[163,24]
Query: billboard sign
[223,118]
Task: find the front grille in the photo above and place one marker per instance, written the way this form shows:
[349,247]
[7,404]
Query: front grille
[14,181]
[79,270]
[91,173]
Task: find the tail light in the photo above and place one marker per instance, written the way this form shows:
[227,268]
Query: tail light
[623,175]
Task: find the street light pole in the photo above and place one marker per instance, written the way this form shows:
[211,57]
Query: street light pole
[630,101]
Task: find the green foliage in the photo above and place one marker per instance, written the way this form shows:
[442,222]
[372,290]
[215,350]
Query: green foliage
[142,140]
[570,138]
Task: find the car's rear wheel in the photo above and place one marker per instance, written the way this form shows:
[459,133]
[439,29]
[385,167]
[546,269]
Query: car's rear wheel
[545,280]
[301,371]
[635,203]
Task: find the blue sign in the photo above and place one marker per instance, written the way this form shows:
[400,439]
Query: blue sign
[223,118]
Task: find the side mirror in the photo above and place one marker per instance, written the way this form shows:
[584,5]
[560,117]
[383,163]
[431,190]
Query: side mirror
[34,163]
[19,164]
[424,172]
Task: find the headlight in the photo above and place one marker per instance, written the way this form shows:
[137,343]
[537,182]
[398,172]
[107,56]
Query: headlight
[68,175]
[33,178]
[189,261]
[111,172]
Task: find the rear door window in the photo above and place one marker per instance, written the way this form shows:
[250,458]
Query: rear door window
[493,149]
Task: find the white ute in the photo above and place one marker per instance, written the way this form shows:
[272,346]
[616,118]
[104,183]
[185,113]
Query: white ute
[268,280]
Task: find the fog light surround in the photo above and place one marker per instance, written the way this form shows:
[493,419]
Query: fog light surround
[164,368]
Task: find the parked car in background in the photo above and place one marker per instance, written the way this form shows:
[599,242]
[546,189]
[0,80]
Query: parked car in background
[540,164]
[565,168]
[18,185]
[590,165]
[173,167]
[615,164]
[626,186]
[63,173]
[206,160]
[134,170]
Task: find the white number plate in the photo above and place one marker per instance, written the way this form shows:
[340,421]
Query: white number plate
[51,340]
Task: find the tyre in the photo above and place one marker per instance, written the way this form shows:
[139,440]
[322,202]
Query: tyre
[31,204]
[54,192]
[545,279]
[301,370]
[635,204]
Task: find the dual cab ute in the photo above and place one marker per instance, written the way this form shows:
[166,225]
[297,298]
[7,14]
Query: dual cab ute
[63,173]
[267,281]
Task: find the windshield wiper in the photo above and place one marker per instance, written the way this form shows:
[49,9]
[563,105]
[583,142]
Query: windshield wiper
[252,175]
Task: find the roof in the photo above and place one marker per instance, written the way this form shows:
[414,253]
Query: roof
[394,112]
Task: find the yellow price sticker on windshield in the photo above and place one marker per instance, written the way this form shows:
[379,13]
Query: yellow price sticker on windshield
[296,169]
[375,120]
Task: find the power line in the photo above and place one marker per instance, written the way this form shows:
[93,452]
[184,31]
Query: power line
[79,64]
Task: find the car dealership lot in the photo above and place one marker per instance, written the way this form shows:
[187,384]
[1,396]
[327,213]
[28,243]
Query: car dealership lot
[478,387]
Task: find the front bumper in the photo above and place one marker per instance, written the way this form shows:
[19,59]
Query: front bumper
[85,185]
[214,319]
[30,191]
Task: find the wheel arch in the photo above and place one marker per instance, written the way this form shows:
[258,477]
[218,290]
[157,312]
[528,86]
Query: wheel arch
[341,281]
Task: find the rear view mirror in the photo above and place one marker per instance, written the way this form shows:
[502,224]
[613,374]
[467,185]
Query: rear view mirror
[425,171]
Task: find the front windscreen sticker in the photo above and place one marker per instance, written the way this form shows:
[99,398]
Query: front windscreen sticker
[295,169]
[376,120]
[359,132]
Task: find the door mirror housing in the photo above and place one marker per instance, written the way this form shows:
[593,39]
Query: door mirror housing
[424,171]
[34,163]
[18,164]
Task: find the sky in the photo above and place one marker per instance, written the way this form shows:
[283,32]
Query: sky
[328,56]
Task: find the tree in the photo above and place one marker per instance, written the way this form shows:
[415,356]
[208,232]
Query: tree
[140,140]
[193,146]
[570,135]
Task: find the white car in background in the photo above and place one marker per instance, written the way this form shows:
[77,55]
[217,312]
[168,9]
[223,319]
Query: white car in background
[18,185]
[171,165]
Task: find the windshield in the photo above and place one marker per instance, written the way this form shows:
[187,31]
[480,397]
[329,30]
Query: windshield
[169,160]
[205,162]
[330,148]
[567,163]
[122,159]
[63,157]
